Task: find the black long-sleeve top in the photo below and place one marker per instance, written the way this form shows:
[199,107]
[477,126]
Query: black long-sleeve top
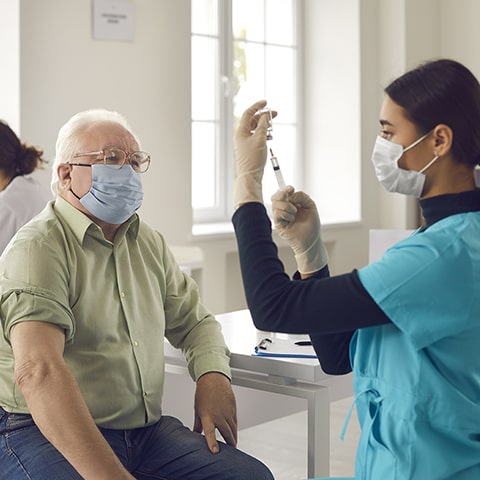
[329,309]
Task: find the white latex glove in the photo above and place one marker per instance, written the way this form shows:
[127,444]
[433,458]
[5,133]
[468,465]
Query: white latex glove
[250,155]
[296,219]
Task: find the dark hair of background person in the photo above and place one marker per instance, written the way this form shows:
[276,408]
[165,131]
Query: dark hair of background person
[17,158]
[443,91]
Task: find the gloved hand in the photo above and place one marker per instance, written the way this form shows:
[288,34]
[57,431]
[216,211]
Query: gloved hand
[250,155]
[296,220]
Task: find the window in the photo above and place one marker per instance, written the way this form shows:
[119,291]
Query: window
[245,50]
[242,51]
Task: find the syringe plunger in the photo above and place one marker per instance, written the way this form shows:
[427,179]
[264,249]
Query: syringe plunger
[276,170]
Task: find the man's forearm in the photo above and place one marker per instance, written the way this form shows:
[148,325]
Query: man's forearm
[61,414]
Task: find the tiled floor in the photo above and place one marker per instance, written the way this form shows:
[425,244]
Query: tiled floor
[281,444]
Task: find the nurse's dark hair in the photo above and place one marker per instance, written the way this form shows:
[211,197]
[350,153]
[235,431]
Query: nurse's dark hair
[443,91]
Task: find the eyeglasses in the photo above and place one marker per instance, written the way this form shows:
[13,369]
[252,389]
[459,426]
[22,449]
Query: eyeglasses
[116,158]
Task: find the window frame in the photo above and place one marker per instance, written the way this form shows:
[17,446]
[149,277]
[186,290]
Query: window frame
[224,111]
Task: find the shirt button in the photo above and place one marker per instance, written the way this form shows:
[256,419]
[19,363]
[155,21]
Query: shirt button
[122,294]
[145,394]
[135,343]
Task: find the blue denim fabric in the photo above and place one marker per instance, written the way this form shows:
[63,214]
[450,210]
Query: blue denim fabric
[26,454]
[166,450]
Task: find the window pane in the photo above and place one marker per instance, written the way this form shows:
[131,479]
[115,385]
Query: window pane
[203,164]
[204,17]
[248,19]
[252,84]
[261,56]
[204,78]
[280,81]
[280,19]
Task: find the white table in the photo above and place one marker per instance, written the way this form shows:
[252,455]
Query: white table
[297,377]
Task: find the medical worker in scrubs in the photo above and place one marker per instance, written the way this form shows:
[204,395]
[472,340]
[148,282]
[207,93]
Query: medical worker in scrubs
[407,325]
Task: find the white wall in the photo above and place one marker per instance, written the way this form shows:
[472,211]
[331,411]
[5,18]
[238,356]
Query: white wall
[62,70]
[460,35]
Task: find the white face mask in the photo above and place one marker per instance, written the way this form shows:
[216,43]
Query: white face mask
[385,157]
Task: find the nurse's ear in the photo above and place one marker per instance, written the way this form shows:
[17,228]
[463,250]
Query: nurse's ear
[442,136]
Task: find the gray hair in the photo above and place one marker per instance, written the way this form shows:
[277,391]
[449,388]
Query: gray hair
[69,138]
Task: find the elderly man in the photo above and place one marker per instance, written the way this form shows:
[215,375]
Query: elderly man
[87,294]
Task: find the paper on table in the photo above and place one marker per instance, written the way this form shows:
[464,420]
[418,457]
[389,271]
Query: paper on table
[279,347]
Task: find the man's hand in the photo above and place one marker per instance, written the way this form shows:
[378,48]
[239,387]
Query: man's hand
[215,408]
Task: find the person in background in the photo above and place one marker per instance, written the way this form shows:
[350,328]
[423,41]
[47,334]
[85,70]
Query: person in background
[21,196]
[88,294]
[409,324]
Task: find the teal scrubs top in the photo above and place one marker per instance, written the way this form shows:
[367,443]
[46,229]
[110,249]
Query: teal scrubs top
[417,380]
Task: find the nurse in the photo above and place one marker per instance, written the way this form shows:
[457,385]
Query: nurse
[407,325]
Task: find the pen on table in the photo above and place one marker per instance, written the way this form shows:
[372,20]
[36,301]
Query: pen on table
[276,170]
[303,343]
[262,345]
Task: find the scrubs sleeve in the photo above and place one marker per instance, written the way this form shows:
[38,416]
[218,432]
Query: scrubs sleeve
[410,283]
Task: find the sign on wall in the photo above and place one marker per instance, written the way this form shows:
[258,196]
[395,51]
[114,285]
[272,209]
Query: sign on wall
[113,19]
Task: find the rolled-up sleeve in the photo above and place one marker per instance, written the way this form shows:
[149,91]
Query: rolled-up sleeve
[33,304]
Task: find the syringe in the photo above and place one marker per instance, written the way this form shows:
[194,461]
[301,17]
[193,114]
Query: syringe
[276,170]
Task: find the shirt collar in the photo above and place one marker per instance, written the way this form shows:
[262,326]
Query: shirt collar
[81,224]
[442,206]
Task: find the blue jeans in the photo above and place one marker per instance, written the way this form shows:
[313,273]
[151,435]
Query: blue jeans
[166,450]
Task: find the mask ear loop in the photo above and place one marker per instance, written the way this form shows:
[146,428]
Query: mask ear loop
[430,163]
[74,194]
[416,142]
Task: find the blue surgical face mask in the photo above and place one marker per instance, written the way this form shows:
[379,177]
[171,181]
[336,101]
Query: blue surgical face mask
[115,194]
[385,157]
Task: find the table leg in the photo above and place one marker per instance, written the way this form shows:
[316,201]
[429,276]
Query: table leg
[318,416]
[318,432]
[318,404]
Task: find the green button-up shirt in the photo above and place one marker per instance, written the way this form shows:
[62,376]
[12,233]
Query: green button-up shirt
[115,302]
